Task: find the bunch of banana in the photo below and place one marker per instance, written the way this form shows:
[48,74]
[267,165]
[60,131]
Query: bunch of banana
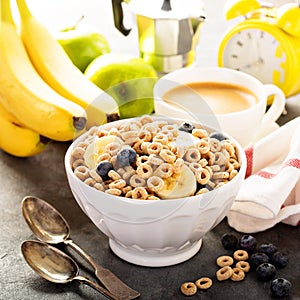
[30,108]
[18,140]
[56,68]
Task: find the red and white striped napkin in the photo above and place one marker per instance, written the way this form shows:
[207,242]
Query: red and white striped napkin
[271,190]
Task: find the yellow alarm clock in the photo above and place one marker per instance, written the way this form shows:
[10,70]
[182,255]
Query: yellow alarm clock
[264,44]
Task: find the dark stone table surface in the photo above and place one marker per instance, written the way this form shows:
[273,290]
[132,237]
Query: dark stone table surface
[44,176]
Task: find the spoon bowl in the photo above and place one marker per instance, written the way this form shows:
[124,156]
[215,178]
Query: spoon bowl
[56,266]
[49,262]
[45,222]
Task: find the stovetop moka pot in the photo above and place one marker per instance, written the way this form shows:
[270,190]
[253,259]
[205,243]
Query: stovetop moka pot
[168,31]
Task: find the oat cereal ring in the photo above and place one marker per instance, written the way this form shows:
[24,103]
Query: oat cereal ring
[95,176]
[220,175]
[144,147]
[132,134]
[215,168]
[232,174]
[145,119]
[167,155]
[151,128]
[203,283]
[194,166]
[144,170]
[155,160]
[203,146]
[126,189]
[101,133]
[188,288]
[128,194]
[237,275]
[203,176]
[142,159]
[114,175]
[139,193]
[102,157]
[155,184]
[200,133]
[202,191]
[234,162]
[121,171]
[152,197]
[154,148]
[210,157]
[137,181]
[224,273]
[229,167]
[243,265]
[178,164]
[83,144]
[192,155]
[224,260]
[229,148]
[165,170]
[77,163]
[220,158]
[90,181]
[161,138]
[82,172]
[78,152]
[214,144]
[99,186]
[240,255]
[112,148]
[145,135]
[114,191]
[127,175]
[117,184]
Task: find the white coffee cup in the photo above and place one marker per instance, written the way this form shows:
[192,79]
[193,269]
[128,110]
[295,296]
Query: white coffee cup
[246,126]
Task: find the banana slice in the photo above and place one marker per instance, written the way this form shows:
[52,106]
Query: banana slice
[97,147]
[179,185]
[184,140]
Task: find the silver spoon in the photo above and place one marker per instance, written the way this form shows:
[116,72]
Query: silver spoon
[49,226]
[56,266]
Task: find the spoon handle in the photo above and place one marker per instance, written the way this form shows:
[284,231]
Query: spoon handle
[114,284]
[97,287]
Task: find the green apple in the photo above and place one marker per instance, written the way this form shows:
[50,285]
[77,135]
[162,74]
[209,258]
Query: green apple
[128,79]
[83,44]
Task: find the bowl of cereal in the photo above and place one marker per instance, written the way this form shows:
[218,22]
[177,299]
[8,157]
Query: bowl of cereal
[155,186]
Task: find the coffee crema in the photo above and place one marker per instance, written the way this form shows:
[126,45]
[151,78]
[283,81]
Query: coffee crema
[219,98]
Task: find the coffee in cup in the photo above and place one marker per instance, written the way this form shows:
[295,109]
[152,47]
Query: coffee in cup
[228,100]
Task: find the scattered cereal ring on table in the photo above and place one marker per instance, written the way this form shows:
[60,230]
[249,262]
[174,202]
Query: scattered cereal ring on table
[240,255]
[203,283]
[188,288]
[224,273]
[237,274]
[224,260]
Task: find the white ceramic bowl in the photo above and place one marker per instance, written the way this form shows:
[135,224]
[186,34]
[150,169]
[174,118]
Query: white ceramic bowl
[154,233]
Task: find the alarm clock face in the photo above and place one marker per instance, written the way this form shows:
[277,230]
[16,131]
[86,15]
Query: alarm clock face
[257,53]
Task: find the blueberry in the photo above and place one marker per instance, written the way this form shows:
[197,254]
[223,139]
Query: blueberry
[103,168]
[229,241]
[187,127]
[279,259]
[126,157]
[218,135]
[258,258]
[280,287]
[267,248]
[265,271]
[248,243]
